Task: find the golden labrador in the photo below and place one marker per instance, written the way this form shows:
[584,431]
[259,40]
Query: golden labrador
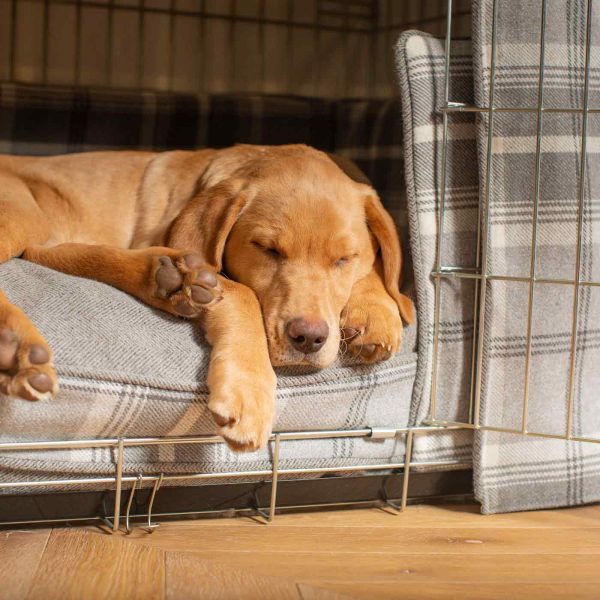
[311,256]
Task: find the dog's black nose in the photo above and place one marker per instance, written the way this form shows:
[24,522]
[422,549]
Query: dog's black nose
[307,335]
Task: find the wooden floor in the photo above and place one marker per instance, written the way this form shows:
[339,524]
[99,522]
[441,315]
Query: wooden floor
[426,552]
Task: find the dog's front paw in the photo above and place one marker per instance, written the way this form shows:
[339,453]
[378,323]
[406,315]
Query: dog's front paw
[25,358]
[186,282]
[372,332]
[243,405]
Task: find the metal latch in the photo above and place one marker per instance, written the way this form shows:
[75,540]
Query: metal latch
[382,433]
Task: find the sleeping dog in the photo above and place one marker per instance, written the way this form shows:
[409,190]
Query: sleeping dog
[310,255]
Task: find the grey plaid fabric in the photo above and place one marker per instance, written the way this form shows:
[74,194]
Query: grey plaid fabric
[420,63]
[513,472]
[128,370]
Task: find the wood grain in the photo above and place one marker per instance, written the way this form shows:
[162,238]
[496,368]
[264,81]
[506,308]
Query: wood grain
[20,554]
[191,578]
[446,516]
[306,566]
[77,564]
[367,540]
[468,591]
[429,552]
[309,592]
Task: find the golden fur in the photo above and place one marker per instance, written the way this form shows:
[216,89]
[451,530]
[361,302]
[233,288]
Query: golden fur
[297,236]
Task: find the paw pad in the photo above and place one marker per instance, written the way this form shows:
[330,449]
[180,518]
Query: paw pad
[187,283]
[25,369]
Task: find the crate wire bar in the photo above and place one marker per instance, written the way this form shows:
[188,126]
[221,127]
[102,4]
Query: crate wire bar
[231,43]
[480,274]
[268,513]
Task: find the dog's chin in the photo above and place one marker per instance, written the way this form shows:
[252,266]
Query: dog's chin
[292,358]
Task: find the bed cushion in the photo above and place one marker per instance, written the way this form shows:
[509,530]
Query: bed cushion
[127,370]
[420,63]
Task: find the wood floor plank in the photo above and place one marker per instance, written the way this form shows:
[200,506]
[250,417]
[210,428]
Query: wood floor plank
[191,578]
[469,591]
[325,540]
[20,554]
[437,553]
[563,569]
[77,564]
[449,516]
[310,592]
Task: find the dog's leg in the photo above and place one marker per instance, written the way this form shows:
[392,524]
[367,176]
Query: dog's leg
[371,324]
[171,280]
[240,378]
[25,357]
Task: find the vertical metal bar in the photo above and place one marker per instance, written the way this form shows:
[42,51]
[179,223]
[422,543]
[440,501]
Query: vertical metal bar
[275,478]
[372,48]
[171,49]
[580,217]
[261,47]
[150,527]
[536,202]
[78,25]
[407,461]
[476,295]
[119,483]
[388,37]
[13,39]
[45,43]
[137,484]
[476,299]
[317,65]
[109,42]
[438,259]
[141,44]
[289,55]
[232,46]
[348,70]
[485,223]
[202,45]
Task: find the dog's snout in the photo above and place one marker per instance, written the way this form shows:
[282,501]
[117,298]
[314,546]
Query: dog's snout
[307,335]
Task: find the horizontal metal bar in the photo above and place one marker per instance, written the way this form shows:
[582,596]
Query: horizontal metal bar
[233,475]
[420,23]
[553,436]
[177,12]
[456,273]
[459,107]
[227,511]
[208,439]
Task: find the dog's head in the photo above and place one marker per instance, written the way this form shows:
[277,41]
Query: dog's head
[291,224]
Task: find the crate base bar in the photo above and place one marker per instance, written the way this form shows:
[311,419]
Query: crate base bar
[229,499]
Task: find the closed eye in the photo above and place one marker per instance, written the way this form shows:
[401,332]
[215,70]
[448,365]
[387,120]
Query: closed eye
[344,260]
[270,250]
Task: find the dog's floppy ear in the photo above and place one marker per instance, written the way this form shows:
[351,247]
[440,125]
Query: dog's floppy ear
[205,223]
[383,228]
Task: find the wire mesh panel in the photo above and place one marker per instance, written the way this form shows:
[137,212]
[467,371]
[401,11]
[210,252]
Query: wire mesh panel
[535,287]
[323,48]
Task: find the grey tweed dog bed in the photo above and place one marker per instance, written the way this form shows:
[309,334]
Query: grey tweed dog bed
[126,370]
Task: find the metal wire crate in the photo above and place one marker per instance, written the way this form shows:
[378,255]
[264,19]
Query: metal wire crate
[213,46]
[337,21]
[481,274]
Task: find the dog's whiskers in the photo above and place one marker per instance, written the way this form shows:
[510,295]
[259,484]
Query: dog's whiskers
[343,348]
[344,331]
